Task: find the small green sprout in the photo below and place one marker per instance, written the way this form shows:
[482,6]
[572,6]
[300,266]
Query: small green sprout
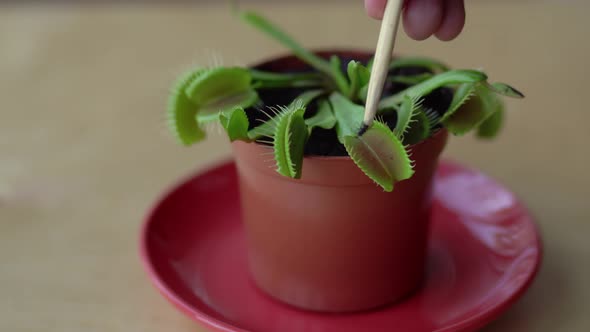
[329,100]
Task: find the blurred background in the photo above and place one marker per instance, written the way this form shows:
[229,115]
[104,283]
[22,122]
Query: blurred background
[84,149]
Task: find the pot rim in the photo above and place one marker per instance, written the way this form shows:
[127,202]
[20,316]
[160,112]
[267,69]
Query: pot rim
[410,148]
[339,171]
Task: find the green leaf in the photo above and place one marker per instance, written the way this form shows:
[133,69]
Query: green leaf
[279,35]
[269,80]
[235,123]
[349,116]
[419,130]
[462,94]
[324,118]
[408,109]
[289,142]
[306,98]
[437,81]
[221,89]
[380,155]
[358,76]
[261,75]
[473,112]
[431,64]
[505,90]
[335,63]
[267,129]
[411,80]
[181,111]
[492,125]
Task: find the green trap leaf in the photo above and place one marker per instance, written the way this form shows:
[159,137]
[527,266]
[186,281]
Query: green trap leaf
[380,155]
[462,94]
[222,89]
[235,123]
[289,142]
[473,112]
[181,111]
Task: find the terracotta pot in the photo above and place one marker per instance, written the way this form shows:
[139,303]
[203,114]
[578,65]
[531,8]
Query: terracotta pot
[333,240]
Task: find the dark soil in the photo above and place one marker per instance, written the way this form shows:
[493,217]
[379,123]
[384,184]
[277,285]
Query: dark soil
[324,142]
[276,98]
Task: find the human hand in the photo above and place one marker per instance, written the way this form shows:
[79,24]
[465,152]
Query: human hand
[423,18]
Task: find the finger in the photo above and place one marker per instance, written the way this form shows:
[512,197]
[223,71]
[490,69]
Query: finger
[453,20]
[375,8]
[422,18]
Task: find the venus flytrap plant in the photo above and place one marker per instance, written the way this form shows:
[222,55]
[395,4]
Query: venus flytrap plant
[266,80]
[330,100]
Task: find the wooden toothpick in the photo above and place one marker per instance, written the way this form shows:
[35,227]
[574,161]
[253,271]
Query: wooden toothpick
[382,60]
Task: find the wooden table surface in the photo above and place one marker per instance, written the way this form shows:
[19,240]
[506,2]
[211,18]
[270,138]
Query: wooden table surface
[84,150]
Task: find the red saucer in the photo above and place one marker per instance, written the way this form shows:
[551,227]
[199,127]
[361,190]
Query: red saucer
[485,251]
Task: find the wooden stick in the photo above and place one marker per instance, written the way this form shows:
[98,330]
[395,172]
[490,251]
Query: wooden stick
[382,60]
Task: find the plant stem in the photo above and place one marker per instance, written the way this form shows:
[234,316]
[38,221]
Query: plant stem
[426,87]
[306,56]
[288,84]
[272,76]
